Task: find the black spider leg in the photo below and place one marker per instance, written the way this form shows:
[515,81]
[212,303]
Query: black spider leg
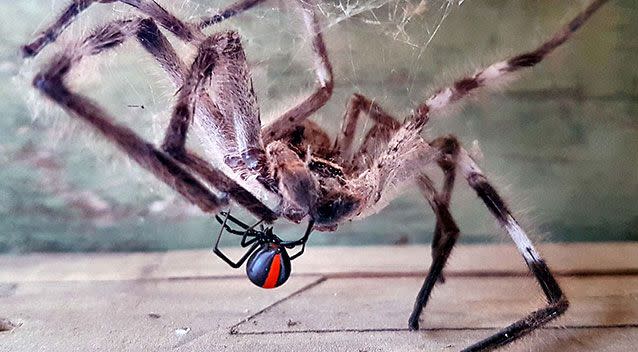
[238,222]
[557,303]
[247,232]
[228,228]
[302,241]
[241,261]
[446,231]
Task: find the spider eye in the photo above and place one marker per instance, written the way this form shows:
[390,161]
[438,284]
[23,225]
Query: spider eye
[269,266]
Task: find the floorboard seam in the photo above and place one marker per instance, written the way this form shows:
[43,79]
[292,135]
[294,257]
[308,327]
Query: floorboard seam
[355,275]
[468,274]
[330,331]
[234,330]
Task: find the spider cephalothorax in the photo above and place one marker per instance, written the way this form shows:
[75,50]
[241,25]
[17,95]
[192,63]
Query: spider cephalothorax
[290,169]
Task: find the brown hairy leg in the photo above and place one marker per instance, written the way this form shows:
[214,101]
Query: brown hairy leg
[76,7]
[50,82]
[445,232]
[287,123]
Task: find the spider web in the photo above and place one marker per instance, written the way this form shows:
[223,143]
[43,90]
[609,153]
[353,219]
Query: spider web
[392,17]
[393,28]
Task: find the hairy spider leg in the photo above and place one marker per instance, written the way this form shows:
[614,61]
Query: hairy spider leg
[235,97]
[50,82]
[462,88]
[294,117]
[385,125]
[147,7]
[154,42]
[378,135]
[197,101]
[217,124]
[225,131]
[409,133]
[219,127]
[444,228]
[557,303]
[499,71]
[222,126]
[255,244]
[193,100]
[407,138]
[446,231]
[191,87]
[52,33]
[486,77]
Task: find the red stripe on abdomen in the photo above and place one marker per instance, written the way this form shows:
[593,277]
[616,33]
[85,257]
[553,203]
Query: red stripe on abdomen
[273,273]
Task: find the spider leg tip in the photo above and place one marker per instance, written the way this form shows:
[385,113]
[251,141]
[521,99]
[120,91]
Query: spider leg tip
[27,51]
[413,325]
[224,198]
[44,84]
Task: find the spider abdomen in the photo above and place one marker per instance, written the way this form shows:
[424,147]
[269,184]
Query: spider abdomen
[269,266]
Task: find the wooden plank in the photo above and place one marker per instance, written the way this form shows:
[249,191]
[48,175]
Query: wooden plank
[386,303]
[128,315]
[563,340]
[466,259]
[116,316]
[132,302]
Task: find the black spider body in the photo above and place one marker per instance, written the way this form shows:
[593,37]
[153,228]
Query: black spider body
[268,266]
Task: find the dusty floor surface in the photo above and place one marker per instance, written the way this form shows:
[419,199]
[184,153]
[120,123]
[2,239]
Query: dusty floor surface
[338,299]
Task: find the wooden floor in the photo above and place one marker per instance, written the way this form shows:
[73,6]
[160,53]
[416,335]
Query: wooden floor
[338,299]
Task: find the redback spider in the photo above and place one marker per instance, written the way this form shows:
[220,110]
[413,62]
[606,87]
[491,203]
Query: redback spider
[268,260]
